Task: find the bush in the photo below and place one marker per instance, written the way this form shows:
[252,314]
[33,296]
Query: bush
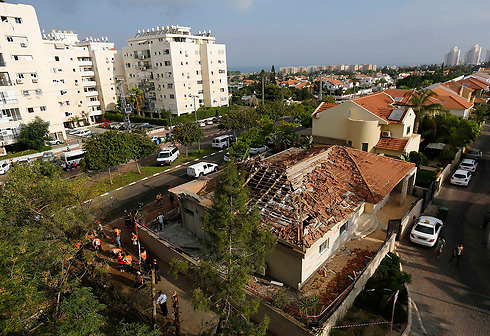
[279,298]
[447,154]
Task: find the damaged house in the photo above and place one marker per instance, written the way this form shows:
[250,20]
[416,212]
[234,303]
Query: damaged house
[311,199]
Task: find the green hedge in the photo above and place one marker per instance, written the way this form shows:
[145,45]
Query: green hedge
[202,113]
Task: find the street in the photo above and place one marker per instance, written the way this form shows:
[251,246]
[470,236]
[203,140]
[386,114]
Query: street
[452,300]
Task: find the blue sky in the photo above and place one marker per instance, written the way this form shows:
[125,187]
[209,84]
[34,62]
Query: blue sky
[259,33]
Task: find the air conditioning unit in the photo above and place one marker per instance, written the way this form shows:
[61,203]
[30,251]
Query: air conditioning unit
[35,80]
[386,134]
[23,45]
[77,83]
[20,81]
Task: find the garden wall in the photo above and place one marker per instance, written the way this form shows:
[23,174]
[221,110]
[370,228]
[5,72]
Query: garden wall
[408,220]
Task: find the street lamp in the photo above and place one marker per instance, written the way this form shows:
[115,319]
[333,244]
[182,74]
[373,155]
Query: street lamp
[195,114]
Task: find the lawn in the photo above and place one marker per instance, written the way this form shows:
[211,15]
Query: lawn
[103,185]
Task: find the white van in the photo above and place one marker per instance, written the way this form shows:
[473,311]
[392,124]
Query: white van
[223,141]
[68,158]
[4,167]
[201,168]
[168,155]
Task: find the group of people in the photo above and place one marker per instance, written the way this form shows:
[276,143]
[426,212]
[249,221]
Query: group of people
[68,166]
[457,251]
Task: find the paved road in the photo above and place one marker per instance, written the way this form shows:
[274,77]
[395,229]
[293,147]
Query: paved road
[452,300]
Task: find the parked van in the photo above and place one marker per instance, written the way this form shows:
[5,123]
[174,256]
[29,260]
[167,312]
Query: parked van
[201,168]
[168,155]
[223,141]
[4,167]
[74,156]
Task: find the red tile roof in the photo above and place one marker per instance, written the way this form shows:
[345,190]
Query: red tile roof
[380,104]
[322,107]
[393,144]
[474,83]
[451,100]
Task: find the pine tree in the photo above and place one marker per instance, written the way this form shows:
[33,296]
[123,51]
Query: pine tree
[272,76]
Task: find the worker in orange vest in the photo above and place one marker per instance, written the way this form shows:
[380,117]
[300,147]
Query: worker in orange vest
[143,259]
[97,244]
[117,233]
[134,239]
[79,244]
[116,251]
[128,260]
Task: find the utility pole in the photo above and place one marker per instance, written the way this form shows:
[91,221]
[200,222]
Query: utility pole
[125,109]
[175,304]
[195,113]
[263,78]
[153,300]
[321,88]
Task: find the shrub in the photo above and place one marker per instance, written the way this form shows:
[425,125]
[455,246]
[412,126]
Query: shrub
[279,298]
[447,154]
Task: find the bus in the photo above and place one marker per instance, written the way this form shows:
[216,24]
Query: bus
[68,158]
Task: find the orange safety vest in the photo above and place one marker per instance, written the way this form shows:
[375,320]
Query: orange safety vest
[79,244]
[128,260]
[134,237]
[143,255]
[91,236]
[96,242]
[117,232]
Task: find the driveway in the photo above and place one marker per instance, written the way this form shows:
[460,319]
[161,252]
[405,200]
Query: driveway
[455,300]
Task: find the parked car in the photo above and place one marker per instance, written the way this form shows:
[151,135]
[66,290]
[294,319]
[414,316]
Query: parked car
[258,149]
[461,177]
[4,167]
[426,231]
[226,158]
[52,141]
[216,120]
[209,122]
[201,124]
[168,155]
[47,156]
[74,132]
[104,125]
[473,153]
[83,133]
[223,141]
[201,168]
[469,165]
[114,125]
[23,162]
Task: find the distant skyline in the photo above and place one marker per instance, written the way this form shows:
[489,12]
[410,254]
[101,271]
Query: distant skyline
[260,33]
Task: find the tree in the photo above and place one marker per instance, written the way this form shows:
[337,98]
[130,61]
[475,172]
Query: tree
[34,134]
[419,101]
[136,98]
[138,146]
[237,119]
[235,248]
[187,133]
[272,76]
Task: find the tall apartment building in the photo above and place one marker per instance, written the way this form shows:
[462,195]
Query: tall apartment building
[52,76]
[487,57]
[177,71]
[472,56]
[452,57]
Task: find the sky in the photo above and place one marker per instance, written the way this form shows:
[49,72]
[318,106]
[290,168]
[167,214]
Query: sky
[262,33]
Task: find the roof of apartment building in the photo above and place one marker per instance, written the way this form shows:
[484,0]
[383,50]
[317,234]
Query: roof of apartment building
[393,144]
[301,194]
[473,83]
[451,100]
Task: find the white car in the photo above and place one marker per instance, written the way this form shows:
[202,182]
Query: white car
[73,132]
[209,122]
[201,124]
[83,133]
[258,149]
[469,165]
[426,231]
[168,155]
[201,168]
[4,167]
[52,141]
[461,177]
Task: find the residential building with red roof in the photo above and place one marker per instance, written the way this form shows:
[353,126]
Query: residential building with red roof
[373,123]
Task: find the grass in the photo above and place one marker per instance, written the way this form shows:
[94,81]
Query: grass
[22,153]
[103,185]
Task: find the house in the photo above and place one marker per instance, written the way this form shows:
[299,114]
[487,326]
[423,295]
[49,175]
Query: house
[373,123]
[312,200]
[476,84]
[332,84]
[454,103]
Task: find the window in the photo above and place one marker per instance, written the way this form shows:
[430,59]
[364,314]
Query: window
[20,75]
[30,109]
[5,19]
[212,72]
[188,212]
[222,90]
[172,96]
[166,51]
[199,81]
[15,57]
[57,58]
[408,130]
[25,93]
[349,142]
[324,246]
[18,20]
[170,85]
[167,63]
[10,39]
[365,146]
[39,92]
[343,229]
[42,108]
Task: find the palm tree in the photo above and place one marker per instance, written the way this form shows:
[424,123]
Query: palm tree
[136,97]
[419,101]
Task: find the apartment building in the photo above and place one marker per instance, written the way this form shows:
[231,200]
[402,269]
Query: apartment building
[52,76]
[177,71]
[472,56]
[452,57]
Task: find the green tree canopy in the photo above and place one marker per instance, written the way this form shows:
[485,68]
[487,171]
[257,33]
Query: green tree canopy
[419,101]
[237,119]
[187,133]
[34,134]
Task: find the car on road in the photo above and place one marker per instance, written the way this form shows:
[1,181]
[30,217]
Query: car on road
[73,132]
[114,125]
[83,133]
[201,124]
[426,231]
[104,125]
[223,141]
[4,167]
[168,155]
[469,165]
[23,162]
[216,120]
[473,153]
[209,122]
[53,142]
[258,149]
[201,169]
[47,156]
[461,177]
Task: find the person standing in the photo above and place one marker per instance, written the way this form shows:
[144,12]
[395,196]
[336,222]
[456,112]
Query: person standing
[97,244]
[139,282]
[117,234]
[128,260]
[120,261]
[159,199]
[156,269]
[441,242]
[486,219]
[458,252]
[134,239]
[100,229]
[143,259]
[127,219]
[161,222]
[162,301]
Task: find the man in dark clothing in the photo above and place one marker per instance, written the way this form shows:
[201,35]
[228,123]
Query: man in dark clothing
[486,219]
[458,252]
[156,270]
[127,219]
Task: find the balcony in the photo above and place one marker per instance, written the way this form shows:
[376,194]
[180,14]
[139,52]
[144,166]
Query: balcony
[81,63]
[93,103]
[89,83]
[95,113]
[91,93]
[87,73]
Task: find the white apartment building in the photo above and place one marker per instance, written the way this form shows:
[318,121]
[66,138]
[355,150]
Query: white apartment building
[452,57]
[177,71]
[472,56]
[52,76]
[487,57]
